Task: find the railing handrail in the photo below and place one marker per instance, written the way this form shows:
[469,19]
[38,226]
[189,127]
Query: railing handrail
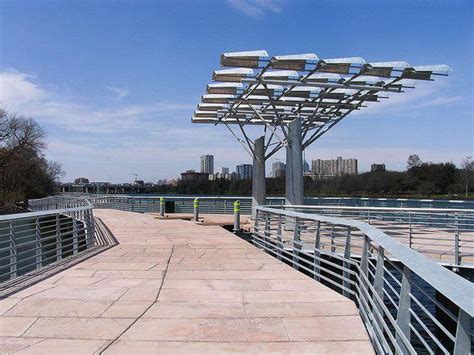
[371,208]
[190,197]
[444,281]
[61,198]
[8,217]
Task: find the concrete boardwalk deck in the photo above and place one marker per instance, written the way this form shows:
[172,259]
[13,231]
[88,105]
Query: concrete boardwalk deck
[171,286]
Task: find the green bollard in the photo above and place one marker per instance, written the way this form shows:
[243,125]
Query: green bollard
[237,216]
[196,209]
[162,206]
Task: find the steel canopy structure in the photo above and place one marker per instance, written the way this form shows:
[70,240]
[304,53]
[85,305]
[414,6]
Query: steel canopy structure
[295,99]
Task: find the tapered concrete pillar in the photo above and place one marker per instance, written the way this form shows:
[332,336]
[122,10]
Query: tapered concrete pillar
[258,175]
[294,189]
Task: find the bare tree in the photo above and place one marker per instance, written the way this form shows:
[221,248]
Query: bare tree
[467,173]
[24,171]
[413,161]
[54,171]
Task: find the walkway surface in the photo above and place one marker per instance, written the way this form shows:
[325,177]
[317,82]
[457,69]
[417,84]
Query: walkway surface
[171,286]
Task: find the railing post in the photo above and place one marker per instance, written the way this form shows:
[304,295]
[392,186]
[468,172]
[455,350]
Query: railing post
[196,209]
[378,286]
[38,244]
[410,232]
[296,243]
[317,253]
[13,252]
[404,305]
[236,216]
[463,334]
[266,233]
[457,254]
[333,247]
[255,222]
[364,271]
[364,261]
[379,271]
[59,247]
[74,235]
[162,206]
[347,265]
[279,238]
[89,224]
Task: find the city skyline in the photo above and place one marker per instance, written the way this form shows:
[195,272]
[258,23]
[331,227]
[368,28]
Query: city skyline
[330,169]
[115,104]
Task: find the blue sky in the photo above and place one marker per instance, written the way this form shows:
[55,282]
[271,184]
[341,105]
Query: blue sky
[115,82]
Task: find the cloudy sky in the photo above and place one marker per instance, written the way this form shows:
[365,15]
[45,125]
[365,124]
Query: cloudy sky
[114,83]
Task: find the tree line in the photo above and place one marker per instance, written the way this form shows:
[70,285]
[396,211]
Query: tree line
[24,171]
[420,179]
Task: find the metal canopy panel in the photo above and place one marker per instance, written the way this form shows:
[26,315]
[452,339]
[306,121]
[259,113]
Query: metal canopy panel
[254,88]
[249,59]
[299,62]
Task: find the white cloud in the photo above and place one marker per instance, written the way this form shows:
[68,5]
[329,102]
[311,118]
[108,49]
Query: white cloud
[119,93]
[157,139]
[256,8]
[426,94]
[20,93]
[19,88]
[153,139]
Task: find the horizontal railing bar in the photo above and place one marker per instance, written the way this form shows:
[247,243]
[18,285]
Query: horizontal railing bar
[370,208]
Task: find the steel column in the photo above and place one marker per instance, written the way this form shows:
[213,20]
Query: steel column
[258,175]
[294,193]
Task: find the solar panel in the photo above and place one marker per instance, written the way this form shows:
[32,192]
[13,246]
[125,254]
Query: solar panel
[254,88]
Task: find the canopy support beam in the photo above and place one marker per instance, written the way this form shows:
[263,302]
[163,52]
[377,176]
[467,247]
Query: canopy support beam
[294,189]
[258,176]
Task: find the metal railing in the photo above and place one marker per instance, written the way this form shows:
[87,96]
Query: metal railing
[408,303]
[142,204]
[444,234]
[389,202]
[57,202]
[59,228]
[323,201]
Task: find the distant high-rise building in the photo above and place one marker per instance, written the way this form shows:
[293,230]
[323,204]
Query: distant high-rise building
[278,169]
[334,167]
[244,171]
[377,167]
[192,176]
[224,171]
[207,164]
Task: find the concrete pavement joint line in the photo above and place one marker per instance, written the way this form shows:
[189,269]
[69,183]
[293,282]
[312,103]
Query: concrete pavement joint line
[154,302]
[41,340]
[195,340]
[29,327]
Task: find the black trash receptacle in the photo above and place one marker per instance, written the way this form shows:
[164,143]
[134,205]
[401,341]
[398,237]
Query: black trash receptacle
[169,206]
